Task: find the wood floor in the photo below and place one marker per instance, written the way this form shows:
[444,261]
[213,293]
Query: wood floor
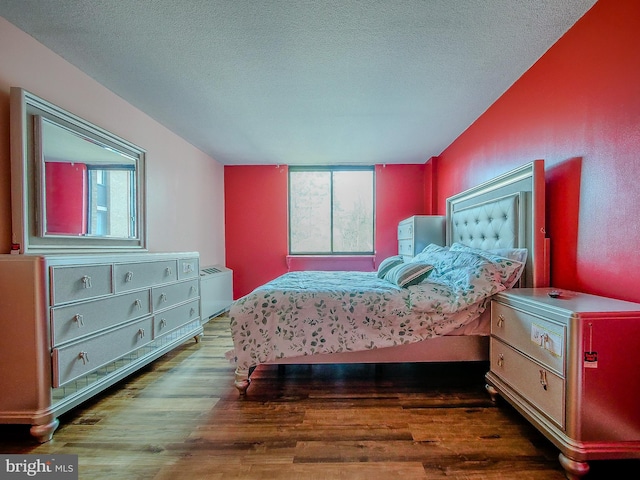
[182,418]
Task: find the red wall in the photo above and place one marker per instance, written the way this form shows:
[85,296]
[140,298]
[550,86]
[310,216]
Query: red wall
[578,108]
[256,229]
[66,187]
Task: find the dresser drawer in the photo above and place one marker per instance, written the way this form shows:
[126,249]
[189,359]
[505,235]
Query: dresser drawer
[80,358]
[188,268]
[537,337]
[166,296]
[130,276]
[74,321]
[73,283]
[169,320]
[538,385]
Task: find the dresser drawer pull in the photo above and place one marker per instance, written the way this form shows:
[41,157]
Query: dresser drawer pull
[84,356]
[543,379]
[86,281]
[128,277]
[192,289]
[141,333]
[500,360]
[500,320]
[138,304]
[192,311]
[79,319]
[169,271]
[163,323]
[163,298]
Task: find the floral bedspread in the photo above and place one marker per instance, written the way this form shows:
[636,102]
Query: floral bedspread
[315,312]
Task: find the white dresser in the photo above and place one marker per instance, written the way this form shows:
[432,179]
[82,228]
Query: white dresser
[75,324]
[570,366]
[415,233]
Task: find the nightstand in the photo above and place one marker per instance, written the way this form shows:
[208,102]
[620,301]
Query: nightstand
[415,233]
[571,366]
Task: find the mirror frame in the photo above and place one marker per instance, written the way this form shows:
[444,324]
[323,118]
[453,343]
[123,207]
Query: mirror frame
[27,182]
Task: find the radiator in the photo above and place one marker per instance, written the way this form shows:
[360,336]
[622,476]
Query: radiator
[216,290]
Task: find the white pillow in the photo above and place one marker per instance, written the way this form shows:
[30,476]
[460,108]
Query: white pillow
[509,268]
[428,252]
[518,254]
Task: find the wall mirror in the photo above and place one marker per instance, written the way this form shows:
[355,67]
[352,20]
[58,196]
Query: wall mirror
[74,185]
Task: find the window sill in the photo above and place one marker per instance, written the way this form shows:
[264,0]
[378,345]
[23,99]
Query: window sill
[366,263]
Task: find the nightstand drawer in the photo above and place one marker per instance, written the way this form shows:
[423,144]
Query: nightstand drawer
[405,230]
[405,247]
[535,383]
[535,336]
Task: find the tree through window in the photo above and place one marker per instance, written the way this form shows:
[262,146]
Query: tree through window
[331,210]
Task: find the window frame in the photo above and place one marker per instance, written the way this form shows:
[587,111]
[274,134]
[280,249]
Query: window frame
[331,170]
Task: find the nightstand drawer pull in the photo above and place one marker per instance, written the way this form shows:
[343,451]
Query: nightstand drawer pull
[84,356]
[543,379]
[500,320]
[86,281]
[79,319]
[501,360]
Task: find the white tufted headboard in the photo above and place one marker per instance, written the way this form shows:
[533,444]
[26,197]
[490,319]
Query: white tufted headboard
[505,212]
[493,224]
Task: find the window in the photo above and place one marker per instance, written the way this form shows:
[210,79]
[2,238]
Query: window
[331,210]
[111,200]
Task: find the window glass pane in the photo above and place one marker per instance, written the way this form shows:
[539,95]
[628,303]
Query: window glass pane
[101,220]
[353,211]
[111,194]
[310,212]
[120,203]
[331,210]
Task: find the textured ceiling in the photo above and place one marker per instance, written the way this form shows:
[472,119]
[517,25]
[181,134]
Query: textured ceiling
[304,82]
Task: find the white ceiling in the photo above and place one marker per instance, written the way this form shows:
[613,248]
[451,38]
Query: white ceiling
[304,81]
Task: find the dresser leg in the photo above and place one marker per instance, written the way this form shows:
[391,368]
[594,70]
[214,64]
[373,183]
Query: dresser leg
[574,470]
[44,433]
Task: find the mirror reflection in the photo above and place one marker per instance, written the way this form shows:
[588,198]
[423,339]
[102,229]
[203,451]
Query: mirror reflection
[88,188]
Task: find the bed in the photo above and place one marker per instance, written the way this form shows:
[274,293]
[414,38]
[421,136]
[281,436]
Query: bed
[430,309]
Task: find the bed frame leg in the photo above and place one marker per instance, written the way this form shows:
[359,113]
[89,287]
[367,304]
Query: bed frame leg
[242,380]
